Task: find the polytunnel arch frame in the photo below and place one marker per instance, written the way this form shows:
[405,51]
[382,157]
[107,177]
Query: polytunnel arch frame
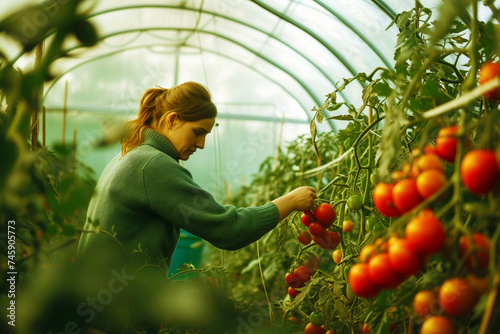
[286,19]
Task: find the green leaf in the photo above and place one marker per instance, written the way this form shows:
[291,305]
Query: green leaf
[335,106]
[313,130]
[342,117]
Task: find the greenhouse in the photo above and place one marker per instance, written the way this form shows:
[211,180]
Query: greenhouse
[250,166]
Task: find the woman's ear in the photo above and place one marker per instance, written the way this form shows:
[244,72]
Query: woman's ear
[172,120]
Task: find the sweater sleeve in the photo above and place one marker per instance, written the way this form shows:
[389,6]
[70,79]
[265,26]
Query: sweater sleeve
[173,195]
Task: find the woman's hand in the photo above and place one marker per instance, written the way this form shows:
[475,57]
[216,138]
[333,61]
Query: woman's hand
[299,199]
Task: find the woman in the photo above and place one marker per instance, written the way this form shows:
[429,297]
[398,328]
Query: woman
[144,196]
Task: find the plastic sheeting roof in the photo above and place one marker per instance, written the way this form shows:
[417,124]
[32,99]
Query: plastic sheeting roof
[260,58]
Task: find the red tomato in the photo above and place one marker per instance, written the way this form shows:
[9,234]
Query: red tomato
[381,272]
[429,182]
[404,260]
[446,143]
[426,302]
[430,161]
[305,219]
[302,274]
[293,281]
[480,171]
[329,240]
[309,266]
[366,329]
[325,214]
[425,233]
[429,149]
[481,253]
[347,226]
[337,256]
[458,297]
[311,329]
[317,229]
[405,195]
[304,238]
[438,324]
[382,199]
[292,292]
[487,72]
[360,281]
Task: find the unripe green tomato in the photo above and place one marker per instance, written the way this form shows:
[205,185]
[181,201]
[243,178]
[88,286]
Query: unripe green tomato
[378,229]
[374,179]
[317,319]
[350,295]
[355,202]
[370,222]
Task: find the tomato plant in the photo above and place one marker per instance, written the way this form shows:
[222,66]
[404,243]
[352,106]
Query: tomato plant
[399,148]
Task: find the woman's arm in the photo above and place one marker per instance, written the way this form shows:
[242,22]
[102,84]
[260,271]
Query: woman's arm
[300,199]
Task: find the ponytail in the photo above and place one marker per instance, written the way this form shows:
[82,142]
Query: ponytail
[191,101]
[144,120]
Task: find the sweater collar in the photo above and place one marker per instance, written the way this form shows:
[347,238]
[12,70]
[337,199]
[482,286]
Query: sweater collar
[160,142]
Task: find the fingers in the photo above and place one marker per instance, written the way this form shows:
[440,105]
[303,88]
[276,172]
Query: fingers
[306,201]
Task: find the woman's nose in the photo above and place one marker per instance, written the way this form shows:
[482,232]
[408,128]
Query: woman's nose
[201,143]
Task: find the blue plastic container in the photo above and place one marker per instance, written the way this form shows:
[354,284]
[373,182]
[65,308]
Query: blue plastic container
[189,250]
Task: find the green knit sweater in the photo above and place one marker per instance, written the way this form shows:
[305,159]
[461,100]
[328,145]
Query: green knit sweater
[144,199]
[148,197]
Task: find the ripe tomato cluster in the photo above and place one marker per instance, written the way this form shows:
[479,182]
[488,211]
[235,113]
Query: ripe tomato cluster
[425,175]
[301,275]
[318,224]
[386,264]
[415,182]
[456,297]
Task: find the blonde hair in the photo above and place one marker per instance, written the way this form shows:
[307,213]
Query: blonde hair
[190,100]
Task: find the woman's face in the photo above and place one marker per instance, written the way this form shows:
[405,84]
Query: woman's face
[187,137]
